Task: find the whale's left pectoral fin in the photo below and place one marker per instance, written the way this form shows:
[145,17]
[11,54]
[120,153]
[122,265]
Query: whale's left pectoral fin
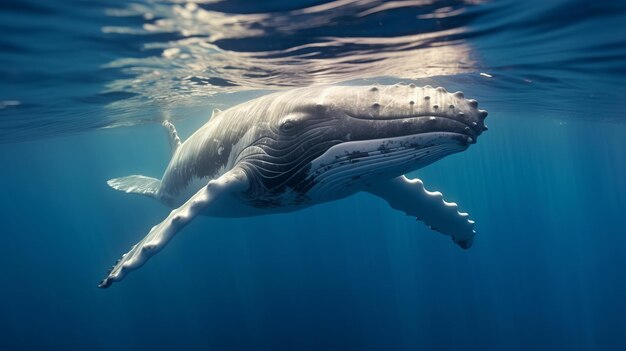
[172,135]
[410,196]
[229,184]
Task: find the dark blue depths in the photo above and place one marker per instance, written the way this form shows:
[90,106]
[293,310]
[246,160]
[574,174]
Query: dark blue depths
[546,271]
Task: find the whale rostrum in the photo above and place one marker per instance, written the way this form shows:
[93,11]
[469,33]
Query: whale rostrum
[289,150]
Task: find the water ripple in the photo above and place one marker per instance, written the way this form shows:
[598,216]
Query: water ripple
[321,44]
[73,66]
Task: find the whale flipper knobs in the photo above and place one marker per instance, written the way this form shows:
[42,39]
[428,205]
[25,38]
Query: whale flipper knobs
[411,197]
[294,149]
[230,183]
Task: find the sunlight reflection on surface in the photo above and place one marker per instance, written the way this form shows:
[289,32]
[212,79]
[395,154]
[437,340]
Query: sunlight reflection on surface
[219,52]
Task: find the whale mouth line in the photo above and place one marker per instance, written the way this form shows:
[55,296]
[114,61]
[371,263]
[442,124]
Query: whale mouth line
[469,130]
[396,117]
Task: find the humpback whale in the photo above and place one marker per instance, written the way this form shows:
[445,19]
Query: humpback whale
[289,150]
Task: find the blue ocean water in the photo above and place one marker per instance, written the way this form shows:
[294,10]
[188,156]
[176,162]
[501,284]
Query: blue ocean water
[85,84]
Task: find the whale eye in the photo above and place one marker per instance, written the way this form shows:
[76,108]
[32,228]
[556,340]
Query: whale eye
[294,122]
[287,126]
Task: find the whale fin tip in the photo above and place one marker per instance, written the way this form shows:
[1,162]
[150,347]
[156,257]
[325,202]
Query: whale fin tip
[172,135]
[411,197]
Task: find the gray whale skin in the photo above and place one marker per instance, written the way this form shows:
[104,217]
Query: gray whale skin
[290,150]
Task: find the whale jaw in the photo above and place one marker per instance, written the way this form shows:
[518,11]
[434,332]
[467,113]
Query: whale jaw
[348,167]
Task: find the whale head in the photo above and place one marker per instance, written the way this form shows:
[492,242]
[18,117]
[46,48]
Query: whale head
[336,139]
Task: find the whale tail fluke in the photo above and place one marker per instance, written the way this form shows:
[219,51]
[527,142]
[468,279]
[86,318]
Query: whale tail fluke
[136,184]
[142,185]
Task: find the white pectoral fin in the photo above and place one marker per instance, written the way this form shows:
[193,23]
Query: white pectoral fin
[410,196]
[226,185]
[172,135]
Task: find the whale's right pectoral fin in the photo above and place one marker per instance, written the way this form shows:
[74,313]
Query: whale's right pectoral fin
[410,196]
[229,184]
